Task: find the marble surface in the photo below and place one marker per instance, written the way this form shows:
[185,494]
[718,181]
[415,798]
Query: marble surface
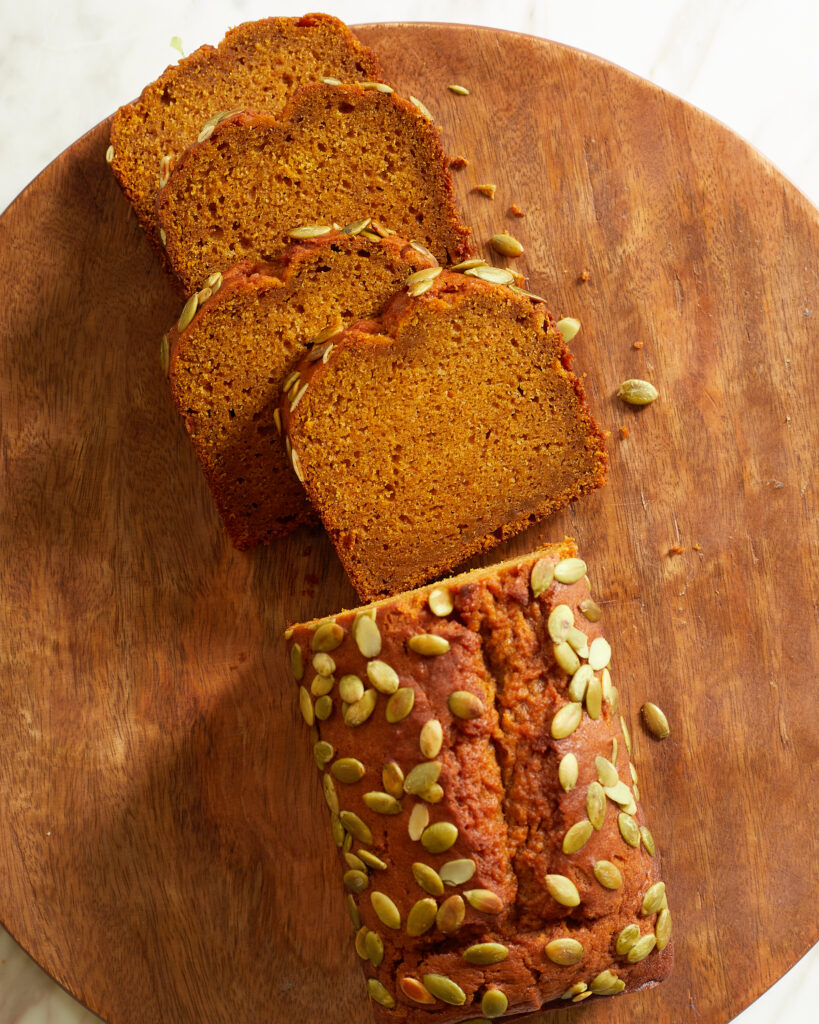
[750,63]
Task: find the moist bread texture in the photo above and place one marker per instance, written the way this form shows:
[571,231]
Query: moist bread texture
[439,429]
[228,364]
[476,765]
[257,65]
[336,154]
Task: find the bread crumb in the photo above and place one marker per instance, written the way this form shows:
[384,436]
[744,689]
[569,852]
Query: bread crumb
[457,162]
[623,433]
[637,344]
[487,190]
[697,547]
[584,275]
[516,211]
[676,550]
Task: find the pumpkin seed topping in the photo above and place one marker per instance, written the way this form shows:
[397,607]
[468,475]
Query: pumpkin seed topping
[382,803]
[324,708]
[306,706]
[562,890]
[599,653]
[354,862]
[468,265]
[356,827]
[428,878]
[383,676]
[653,899]
[578,641]
[165,354]
[438,838]
[422,776]
[392,779]
[619,793]
[605,682]
[594,698]
[367,636]
[577,836]
[580,680]
[459,90]
[567,772]
[495,275]
[421,248]
[399,705]
[450,915]
[350,688]
[626,939]
[591,610]
[637,392]
[188,312]
[628,828]
[360,942]
[109,155]
[421,916]
[433,794]
[421,276]
[310,231]
[484,900]
[575,990]
[431,738]
[608,874]
[163,238]
[466,705]
[648,839]
[494,1003]
[377,86]
[568,327]
[296,662]
[379,994]
[352,910]
[662,929]
[564,952]
[424,110]
[374,946]
[387,912]
[641,948]
[358,713]
[445,989]
[331,81]
[566,720]
[457,872]
[613,746]
[626,734]
[321,685]
[506,245]
[560,621]
[356,881]
[330,793]
[596,805]
[656,722]
[323,664]
[413,989]
[428,643]
[485,953]
[418,821]
[356,226]
[327,637]
[323,753]
[543,572]
[570,570]
[440,602]
[605,983]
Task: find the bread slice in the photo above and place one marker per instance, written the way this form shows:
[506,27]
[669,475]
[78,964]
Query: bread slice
[445,426]
[227,365]
[258,65]
[336,154]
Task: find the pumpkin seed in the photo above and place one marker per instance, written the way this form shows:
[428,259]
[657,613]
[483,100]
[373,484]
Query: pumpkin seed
[457,872]
[428,878]
[324,708]
[327,637]
[466,705]
[543,572]
[413,989]
[653,899]
[575,990]
[421,917]
[350,688]
[379,994]
[450,915]
[400,704]
[564,952]
[656,722]
[570,570]
[290,380]
[295,462]
[495,275]
[414,100]
[188,312]
[428,643]
[331,81]
[310,231]
[594,699]
[580,680]
[578,641]
[360,938]
[337,829]
[484,900]
[459,90]
[356,226]
[354,862]
[577,836]
[662,928]
[566,720]
[163,238]
[165,354]
[641,948]
[506,245]
[637,392]
[605,683]
[619,793]
[298,397]
[606,772]
[321,685]
[378,86]
[468,265]
[330,793]
[371,861]
[596,805]
[626,939]
[374,946]
[296,662]
[628,829]
[613,746]
[562,890]
[422,776]
[604,983]
[626,734]
[357,881]
[360,711]
[382,803]
[323,753]
[352,910]
[323,664]
[418,821]
[214,281]
[356,827]
[599,653]
[445,989]
[630,807]
[494,1003]
[560,621]
[591,610]
[383,677]
[306,706]
[484,953]
[568,327]
[433,794]
[421,276]
[109,155]
[438,838]
[386,911]
[648,839]
[567,772]
[431,738]
[608,874]
[392,779]
[367,636]
[440,602]
[421,248]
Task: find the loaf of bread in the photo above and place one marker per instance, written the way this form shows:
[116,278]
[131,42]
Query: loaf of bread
[335,154]
[437,430]
[495,855]
[238,344]
[257,65]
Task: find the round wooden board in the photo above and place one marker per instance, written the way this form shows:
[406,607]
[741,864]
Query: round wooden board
[164,843]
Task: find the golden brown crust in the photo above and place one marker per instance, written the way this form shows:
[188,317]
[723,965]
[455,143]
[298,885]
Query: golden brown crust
[242,190]
[435,480]
[227,366]
[499,779]
[258,64]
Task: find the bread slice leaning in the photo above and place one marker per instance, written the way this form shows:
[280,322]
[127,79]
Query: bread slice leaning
[336,154]
[235,344]
[445,426]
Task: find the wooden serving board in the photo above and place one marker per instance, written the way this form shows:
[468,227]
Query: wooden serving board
[164,843]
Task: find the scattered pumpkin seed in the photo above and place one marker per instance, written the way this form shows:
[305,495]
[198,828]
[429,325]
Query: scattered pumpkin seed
[392,779]
[599,653]
[608,874]
[641,948]
[506,245]
[580,680]
[591,610]
[428,644]
[653,899]
[327,637]
[350,688]
[626,734]
[567,772]
[494,1003]
[565,952]
[466,705]
[310,231]
[459,90]
[440,602]
[383,677]
[570,570]
[306,706]
[568,327]
[656,722]
[367,636]
[594,698]
[379,994]
[628,828]
[543,572]
[188,312]
[431,738]
[356,827]
[457,872]
[495,275]
[605,983]
[577,836]
[381,230]
[386,911]
[413,989]
[424,110]
[484,900]
[445,989]
[626,939]
[438,838]
[321,685]
[562,890]
[566,720]
[648,839]
[358,713]
[662,928]
[606,772]
[418,821]
[450,915]
[428,878]
[400,704]
[422,776]
[484,953]
[596,805]
[356,881]
[560,621]
[421,917]
[382,803]
[324,708]
[637,392]
[323,753]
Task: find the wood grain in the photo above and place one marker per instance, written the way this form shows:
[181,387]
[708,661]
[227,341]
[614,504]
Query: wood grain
[164,845]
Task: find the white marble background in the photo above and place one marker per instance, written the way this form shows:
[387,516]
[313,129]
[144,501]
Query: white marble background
[751,63]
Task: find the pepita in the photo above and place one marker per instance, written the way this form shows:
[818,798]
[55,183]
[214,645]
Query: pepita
[421,276]
[560,621]
[438,838]
[440,602]
[374,946]
[433,794]
[386,911]
[323,664]
[484,901]
[468,265]
[459,90]
[564,952]
[637,392]
[418,821]
[599,653]
[324,708]
[562,890]
[358,713]
[494,1003]
[330,793]
[414,990]
[400,704]
[567,772]
[495,275]
[594,698]
[445,989]
[626,939]
[653,899]
[382,803]
[628,829]
[428,878]
[543,572]
[356,827]
[431,738]
[604,983]
[566,720]
[591,610]
[484,953]
[641,948]
[422,776]
[465,705]
[323,753]
[577,837]
[608,874]
[606,772]
[383,677]
[356,881]
[570,570]
[367,636]
[188,312]
[506,245]
[306,706]
[662,929]
[648,839]
[356,226]
[428,644]
[350,688]
[310,231]
[392,779]
[354,862]
[596,805]
[626,734]
[578,641]
[296,662]
[321,685]
[568,327]
[421,917]
[619,793]
[656,722]
[360,938]
[378,86]
[352,910]
[327,637]
[109,155]
[165,354]
[457,872]
[575,990]
[580,680]
[424,110]
[450,915]
[379,994]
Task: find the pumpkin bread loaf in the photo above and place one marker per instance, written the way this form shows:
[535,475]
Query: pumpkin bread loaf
[336,154]
[439,429]
[229,361]
[495,855]
[257,65]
